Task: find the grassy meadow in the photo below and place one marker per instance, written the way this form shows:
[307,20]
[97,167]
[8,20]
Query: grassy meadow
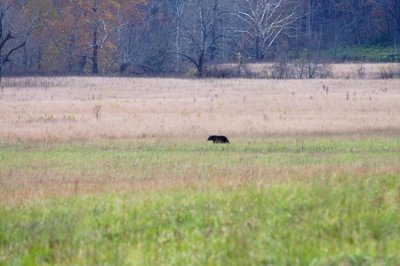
[114,171]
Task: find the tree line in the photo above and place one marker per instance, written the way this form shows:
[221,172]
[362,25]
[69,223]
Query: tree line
[172,37]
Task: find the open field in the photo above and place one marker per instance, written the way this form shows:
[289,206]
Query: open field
[65,108]
[117,171]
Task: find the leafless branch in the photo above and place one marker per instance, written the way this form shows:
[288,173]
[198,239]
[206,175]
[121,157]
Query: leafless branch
[264,21]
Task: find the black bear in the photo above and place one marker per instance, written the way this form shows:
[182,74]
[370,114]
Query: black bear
[218,139]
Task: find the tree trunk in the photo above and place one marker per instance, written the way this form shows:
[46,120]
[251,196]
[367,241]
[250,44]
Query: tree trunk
[82,64]
[70,59]
[200,65]
[213,46]
[397,18]
[1,77]
[122,68]
[179,8]
[95,64]
[213,31]
[178,50]
[257,48]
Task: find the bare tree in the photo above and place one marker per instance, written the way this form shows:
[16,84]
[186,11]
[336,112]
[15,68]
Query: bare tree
[148,41]
[199,30]
[126,39]
[263,21]
[9,43]
[177,11]
[93,30]
[95,39]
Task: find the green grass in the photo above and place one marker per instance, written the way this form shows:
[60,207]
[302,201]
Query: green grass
[338,204]
[147,159]
[365,53]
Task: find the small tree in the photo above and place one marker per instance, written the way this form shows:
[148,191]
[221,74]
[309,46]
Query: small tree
[199,29]
[8,41]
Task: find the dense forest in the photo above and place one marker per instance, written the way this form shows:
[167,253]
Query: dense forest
[172,37]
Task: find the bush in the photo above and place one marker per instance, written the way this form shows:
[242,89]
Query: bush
[228,71]
[387,72]
[282,70]
[223,71]
[324,71]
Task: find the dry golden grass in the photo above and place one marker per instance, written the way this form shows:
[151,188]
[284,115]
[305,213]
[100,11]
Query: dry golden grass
[370,70]
[49,109]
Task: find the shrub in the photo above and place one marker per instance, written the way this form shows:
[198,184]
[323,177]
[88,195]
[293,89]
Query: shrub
[387,72]
[361,71]
[97,110]
[282,70]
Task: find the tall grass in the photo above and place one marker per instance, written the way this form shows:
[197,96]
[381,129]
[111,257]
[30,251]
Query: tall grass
[352,223]
[280,202]
[114,109]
